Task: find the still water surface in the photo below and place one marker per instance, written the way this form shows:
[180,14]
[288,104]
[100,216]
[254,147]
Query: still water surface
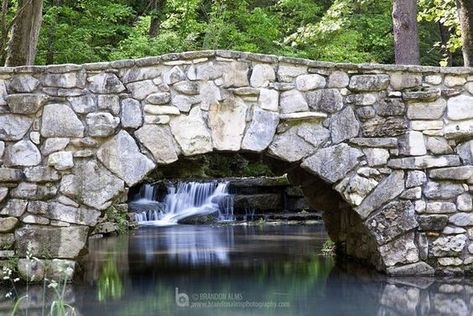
[246,270]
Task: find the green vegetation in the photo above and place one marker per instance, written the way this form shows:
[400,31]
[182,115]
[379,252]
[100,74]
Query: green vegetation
[82,31]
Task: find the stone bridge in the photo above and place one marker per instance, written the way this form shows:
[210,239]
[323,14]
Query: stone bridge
[386,150]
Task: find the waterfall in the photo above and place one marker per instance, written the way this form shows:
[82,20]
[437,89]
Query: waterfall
[183,200]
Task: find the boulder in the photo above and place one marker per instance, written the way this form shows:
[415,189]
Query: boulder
[26,103]
[60,121]
[14,127]
[261,130]
[327,100]
[105,83]
[83,104]
[343,126]
[191,133]
[23,153]
[293,101]
[56,242]
[101,124]
[332,163]
[122,156]
[91,184]
[159,141]
[131,114]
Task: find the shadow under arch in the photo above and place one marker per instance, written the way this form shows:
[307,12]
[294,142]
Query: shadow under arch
[344,226]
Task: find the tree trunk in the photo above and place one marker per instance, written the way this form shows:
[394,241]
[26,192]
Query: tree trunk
[156,7]
[444,37]
[25,33]
[406,38]
[465,14]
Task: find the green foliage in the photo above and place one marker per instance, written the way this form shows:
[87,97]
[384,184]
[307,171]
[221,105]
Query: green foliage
[109,284]
[443,12]
[333,30]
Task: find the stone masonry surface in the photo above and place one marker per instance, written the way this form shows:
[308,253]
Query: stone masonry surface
[396,142]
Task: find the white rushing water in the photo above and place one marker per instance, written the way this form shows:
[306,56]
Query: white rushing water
[184,200]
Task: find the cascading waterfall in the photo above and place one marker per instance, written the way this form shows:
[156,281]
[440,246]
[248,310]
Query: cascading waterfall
[184,200]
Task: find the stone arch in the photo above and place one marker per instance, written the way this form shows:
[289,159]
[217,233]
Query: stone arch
[393,141]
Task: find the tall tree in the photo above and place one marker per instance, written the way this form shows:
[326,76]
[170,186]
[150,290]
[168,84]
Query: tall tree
[157,7]
[465,14]
[406,37]
[25,33]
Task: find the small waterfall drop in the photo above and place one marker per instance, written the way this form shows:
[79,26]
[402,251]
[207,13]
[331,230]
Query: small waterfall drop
[184,200]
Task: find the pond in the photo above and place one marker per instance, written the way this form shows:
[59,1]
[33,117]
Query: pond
[244,270]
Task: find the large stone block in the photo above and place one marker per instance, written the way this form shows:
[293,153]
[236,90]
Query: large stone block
[23,83]
[101,124]
[122,156]
[426,110]
[298,142]
[14,207]
[460,107]
[442,191]
[71,214]
[332,163]
[47,242]
[7,224]
[227,122]
[424,162]
[26,103]
[343,126]
[310,82]
[448,245]
[399,251]
[384,127]
[59,120]
[191,133]
[131,114]
[388,189]
[262,75]
[105,83]
[394,219]
[14,127]
[159,141]
[23,153]
[293,101]
[327,100]
[261,130]
[361,83]
[92,185]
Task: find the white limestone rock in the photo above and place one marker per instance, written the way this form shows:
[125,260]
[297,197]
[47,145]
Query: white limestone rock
[293,101]
[227,122]
[14,127]
[122,156]
[101,124]
[191,133]
[159,141]
[460,107]
[23,154]
[269,100]
[310,82]
[262,75]
[59,120]
[131,115]
[261,130]
[61,160]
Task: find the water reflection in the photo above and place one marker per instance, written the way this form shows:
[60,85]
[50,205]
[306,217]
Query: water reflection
[189,245]
[139,275]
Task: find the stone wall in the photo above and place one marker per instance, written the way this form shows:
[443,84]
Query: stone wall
[394,141]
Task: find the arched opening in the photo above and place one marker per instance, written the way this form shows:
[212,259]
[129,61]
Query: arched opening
[260,197]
